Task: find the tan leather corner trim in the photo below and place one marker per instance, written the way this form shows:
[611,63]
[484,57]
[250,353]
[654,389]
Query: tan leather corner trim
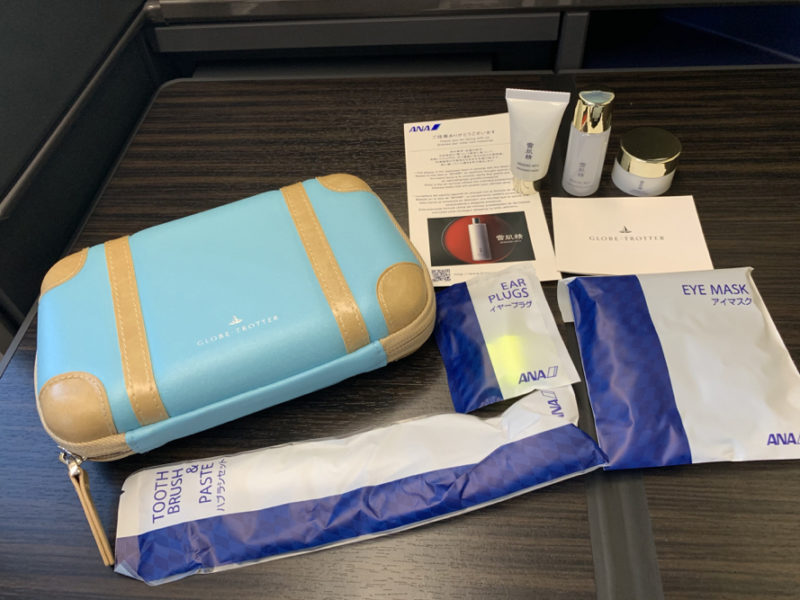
[64,270]
[110,447]
[329,274]
[407,340]
[344,182]
[402,294]
[137,369]
[74,407]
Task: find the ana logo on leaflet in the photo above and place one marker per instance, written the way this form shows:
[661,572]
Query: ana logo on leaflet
[528,376]
[783,439]
[416,128]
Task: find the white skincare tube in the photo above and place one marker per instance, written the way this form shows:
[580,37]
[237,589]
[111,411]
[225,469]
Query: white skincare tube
[534,117]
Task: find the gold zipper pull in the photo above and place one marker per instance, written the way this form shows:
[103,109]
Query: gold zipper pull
[80,480]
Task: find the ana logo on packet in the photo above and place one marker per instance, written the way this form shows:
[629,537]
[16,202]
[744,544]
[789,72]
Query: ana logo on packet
[783,439]
[553,403]
[527,376]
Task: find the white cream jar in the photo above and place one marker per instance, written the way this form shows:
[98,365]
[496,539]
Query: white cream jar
[646,162]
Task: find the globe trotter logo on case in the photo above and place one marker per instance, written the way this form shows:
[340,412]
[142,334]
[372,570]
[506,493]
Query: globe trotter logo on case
[236,327]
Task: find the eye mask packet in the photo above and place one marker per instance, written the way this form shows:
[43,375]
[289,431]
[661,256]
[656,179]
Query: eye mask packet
[498,339]
[229,511]
[684,368]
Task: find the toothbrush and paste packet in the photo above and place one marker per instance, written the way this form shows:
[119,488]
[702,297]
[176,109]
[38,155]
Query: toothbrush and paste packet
[229,511]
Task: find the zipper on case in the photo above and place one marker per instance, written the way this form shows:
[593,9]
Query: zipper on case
[80,481]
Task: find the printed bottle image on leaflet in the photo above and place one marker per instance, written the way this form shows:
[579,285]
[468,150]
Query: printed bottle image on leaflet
[479,240]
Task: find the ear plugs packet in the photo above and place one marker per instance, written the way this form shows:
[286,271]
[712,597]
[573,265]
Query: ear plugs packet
[498,339]
[684,368]
[230,511]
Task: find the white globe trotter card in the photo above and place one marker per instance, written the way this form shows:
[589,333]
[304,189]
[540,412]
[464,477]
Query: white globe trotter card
[618,236]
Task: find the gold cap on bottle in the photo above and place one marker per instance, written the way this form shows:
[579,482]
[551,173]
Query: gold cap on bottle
[649,152]
[593,111]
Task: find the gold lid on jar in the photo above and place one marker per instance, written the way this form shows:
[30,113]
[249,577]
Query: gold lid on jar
[593,111]
[649,152]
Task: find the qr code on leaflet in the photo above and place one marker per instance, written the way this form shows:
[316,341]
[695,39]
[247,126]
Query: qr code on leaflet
[440,275]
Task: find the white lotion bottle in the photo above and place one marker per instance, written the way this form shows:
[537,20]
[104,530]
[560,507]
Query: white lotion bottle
[588,142]
[479,240]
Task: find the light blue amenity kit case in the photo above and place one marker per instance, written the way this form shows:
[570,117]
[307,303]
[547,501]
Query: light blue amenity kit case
[199,321]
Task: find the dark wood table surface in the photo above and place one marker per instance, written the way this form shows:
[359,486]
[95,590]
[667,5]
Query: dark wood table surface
[719,530]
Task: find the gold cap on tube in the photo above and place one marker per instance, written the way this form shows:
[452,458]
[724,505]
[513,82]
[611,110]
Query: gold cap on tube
[593,111]
[526,187]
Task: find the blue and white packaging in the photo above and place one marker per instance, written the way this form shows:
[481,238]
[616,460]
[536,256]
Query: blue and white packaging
[498,339]
[684,368]
[229,511]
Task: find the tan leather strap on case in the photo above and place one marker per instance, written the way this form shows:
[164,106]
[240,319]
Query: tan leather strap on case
[343,305]
[80,481]
[134,350]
